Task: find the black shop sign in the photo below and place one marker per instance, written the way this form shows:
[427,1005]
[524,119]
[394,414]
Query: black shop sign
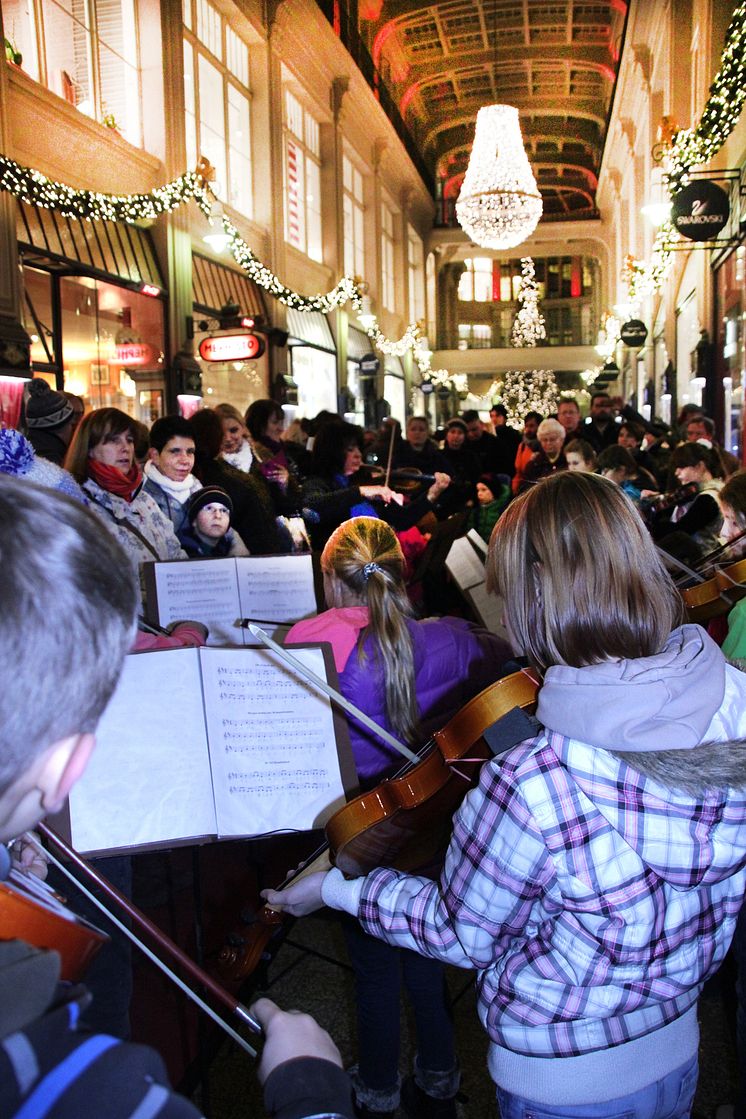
[633,333]
[700,210]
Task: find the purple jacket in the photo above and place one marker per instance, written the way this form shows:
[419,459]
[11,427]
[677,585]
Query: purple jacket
[453,661]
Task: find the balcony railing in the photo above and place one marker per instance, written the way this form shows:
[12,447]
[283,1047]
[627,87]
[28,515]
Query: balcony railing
[346,30]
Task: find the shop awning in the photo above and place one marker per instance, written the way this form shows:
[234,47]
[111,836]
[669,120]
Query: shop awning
[309,328]
[214,285]
[109,249]
[358,344]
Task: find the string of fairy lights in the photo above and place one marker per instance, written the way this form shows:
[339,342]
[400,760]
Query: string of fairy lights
[686,148]
[30,186]
[690,147]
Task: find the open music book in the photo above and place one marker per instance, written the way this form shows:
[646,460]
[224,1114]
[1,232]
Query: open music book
[217,592]
[465,565]
[211,743]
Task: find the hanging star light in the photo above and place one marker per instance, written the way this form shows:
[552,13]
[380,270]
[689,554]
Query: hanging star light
[499,205]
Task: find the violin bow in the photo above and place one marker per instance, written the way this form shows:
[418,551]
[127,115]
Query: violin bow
[332,693]
[140,919]
[689,571]
[387,479]
[708,560]
[695,575]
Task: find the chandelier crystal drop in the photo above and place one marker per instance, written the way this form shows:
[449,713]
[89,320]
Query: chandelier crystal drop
[499,205]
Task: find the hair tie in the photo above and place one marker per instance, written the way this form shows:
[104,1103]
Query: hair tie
[369,569]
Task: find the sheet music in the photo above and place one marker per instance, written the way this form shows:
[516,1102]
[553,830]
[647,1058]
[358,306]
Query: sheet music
[476,540]
[276,588]
[272,743]
[148,780]
[202,591]
[464,565]
[488,609]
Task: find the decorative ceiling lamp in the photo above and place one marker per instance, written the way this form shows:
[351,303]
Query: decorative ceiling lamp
[499,205]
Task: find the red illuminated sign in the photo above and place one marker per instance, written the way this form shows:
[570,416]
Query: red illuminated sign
[231,347]
[134,353]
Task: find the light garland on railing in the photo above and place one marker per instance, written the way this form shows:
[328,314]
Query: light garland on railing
[689,147]
[32,187]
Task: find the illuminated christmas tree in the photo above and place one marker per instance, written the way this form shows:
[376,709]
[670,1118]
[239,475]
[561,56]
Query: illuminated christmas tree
[524,391]
[528,327]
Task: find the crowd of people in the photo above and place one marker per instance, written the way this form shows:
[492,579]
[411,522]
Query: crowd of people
[595,874]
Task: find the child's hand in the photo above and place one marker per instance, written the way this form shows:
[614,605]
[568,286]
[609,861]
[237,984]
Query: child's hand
[300,898]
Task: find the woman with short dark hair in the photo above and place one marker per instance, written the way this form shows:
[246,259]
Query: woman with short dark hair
[333,493]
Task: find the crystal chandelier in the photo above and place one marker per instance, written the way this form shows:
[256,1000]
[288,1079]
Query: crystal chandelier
[499,205]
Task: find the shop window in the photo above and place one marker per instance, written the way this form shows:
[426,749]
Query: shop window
[474,336]
[217,102]
[302,179]
[85,51]
[354,219]
[109,345]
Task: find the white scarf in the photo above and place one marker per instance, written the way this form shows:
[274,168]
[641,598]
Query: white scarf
[242,459]
[180,491]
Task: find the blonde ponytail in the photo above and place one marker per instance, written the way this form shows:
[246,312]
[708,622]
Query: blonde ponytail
[365,556]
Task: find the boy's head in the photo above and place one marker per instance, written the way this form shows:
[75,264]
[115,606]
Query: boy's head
[209,512]
[68,602]
[172,447]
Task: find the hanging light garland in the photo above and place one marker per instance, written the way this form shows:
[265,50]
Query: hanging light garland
[522,392]
[30,186]
[689,147]
[528,327]
[86,205]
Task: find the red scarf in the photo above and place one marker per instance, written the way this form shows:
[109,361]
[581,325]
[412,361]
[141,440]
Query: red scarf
[114,480]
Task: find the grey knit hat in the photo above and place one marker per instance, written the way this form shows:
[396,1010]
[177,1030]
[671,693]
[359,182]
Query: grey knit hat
[45,407]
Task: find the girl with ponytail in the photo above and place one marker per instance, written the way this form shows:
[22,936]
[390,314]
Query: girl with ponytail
[409,676]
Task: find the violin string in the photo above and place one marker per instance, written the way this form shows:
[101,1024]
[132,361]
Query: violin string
[217,1018]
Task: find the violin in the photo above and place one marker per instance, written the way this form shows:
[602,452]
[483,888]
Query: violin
[406,479]
[406,821]
[31,911]
[660,502]
[711,597]
[51,926]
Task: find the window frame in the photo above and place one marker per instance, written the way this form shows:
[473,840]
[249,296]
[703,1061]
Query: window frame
[241,201]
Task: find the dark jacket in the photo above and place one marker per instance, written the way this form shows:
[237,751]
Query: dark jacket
[253,517]
[540,466]
[327,502]
[103,1076]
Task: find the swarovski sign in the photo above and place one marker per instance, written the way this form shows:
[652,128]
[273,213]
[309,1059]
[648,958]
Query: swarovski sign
[700,210]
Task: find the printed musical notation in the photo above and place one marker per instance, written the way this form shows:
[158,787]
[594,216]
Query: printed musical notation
[218,592]
[271,737]
[206,742]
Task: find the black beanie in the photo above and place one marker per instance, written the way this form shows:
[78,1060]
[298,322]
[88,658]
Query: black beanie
[45,407]
[208,495]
